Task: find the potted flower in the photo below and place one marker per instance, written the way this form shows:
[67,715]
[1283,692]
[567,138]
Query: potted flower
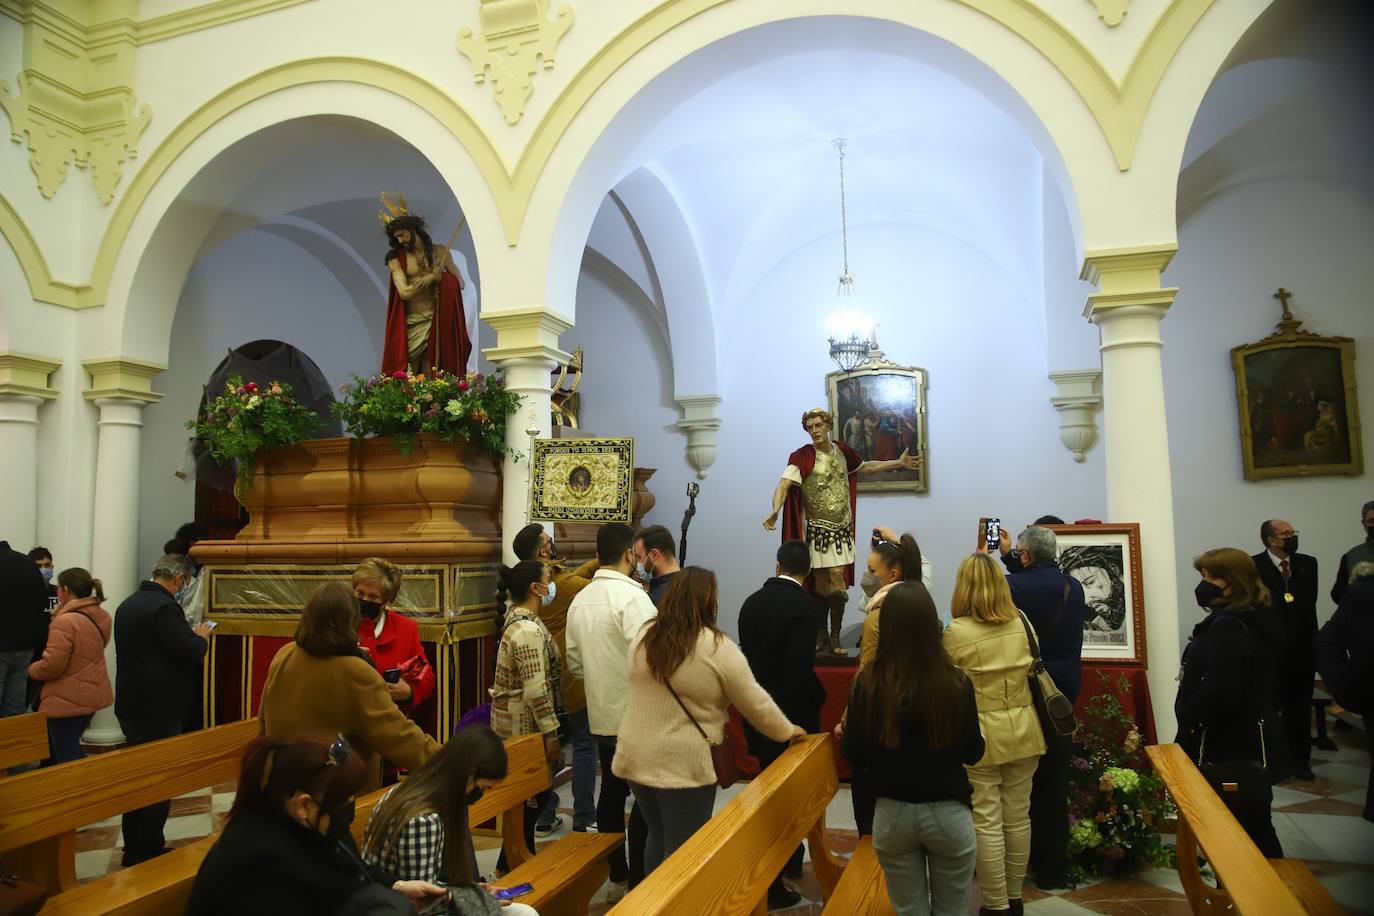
[469,408]
[249,417]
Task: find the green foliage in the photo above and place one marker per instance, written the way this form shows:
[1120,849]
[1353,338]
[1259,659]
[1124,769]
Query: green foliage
[1116,801]
[468,408]
[249,417]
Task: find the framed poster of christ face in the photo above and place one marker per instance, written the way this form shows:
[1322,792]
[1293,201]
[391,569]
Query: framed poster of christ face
[880,412]
[582,480]
[1105,559]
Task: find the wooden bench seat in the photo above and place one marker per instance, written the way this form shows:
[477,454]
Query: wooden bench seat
[862,888]
[23,739]
[726,867]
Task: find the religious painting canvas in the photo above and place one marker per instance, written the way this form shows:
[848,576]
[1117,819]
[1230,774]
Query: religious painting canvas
[880,412]
[582,480]
[1105,559]
[1299,413]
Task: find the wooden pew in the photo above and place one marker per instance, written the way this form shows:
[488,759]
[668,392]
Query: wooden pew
[863,886]
[1247,882]
[727,865]
[41,811]
[23,739]
[565,874]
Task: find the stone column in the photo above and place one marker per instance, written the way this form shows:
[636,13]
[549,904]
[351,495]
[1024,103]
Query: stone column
[527,352]
[700,423]
[1127,310]
[121,388]
[23,388]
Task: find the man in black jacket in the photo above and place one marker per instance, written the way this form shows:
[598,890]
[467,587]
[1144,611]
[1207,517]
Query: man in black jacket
[778,625]
[1362,552]
[1291,578]
[23,623]
[1344,651]
[156,655]
[1054,604]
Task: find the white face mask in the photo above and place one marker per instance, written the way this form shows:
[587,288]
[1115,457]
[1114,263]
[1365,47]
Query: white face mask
[553,592]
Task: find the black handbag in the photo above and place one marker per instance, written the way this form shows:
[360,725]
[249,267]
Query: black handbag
[1243,785]
[1054,709]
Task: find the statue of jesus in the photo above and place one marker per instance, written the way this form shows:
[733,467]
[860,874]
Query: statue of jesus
[425,325]
[817,496]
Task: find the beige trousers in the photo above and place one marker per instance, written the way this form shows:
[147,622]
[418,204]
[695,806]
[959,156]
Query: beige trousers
[1001,819]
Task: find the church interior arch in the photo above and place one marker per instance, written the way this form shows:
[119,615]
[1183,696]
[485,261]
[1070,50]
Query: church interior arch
[277,237]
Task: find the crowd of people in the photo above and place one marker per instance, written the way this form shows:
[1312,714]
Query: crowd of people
[955,775]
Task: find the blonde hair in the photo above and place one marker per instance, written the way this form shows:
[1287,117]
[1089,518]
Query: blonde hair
[1238,569]
[383,574]
[981,591]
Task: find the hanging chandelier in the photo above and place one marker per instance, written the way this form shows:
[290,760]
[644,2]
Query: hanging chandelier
[850,330]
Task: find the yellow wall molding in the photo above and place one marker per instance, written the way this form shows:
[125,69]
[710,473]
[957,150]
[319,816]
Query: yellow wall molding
[117,377]
[523,333]
[93,35]
[1127,280]
[1111,11]
[42,286]
[26,374]
[75,102]
[517,38]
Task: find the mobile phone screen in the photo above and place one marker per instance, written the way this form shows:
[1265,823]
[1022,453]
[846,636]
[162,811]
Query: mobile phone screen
[212,623]
[510,893]
[994,533]
[391,675]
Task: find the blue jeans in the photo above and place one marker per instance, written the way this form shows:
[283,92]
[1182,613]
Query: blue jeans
[911,839]
[671,816]
[64,737]
[583,774]
[14,680]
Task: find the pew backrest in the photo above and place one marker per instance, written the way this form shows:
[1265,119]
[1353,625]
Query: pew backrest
[44,803]
[727,865]
[23,739]
[1205,823]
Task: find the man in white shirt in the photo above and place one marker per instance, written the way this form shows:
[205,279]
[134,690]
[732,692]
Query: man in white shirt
[602,620]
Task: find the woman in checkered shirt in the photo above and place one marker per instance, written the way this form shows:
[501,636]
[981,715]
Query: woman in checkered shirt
[419,830]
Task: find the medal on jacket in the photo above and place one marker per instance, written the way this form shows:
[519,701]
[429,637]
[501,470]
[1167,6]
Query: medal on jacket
[1287,597]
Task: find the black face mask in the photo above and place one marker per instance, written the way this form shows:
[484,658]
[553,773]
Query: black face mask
[474,796]
[1290,544]
[1206,593]
[369,609]
[553,550]
[340,820]
[1369,532]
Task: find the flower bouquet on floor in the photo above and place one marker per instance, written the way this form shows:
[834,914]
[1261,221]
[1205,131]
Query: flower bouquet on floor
[249,417]
[1116,800]
[469,408]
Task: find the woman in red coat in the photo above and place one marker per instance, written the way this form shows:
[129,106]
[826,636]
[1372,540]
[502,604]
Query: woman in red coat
[391,638]
[76,681]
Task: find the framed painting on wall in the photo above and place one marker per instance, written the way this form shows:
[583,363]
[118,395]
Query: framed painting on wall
[582,480]
[1105,559]
[880,412]
[1299,414]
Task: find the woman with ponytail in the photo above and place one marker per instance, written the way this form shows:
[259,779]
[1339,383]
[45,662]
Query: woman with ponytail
[287,848]
[76,683]
[893,559]
[526,692]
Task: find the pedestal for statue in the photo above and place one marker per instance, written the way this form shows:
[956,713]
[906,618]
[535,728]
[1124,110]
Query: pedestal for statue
[319,507]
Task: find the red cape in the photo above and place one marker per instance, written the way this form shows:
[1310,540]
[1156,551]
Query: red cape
[793,519]
[449,331]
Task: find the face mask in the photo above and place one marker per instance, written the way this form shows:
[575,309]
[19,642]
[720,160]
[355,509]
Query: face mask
[553,550]
[340,820]
[1290,544]
[1369,532]
[641,572]
[47,574]
[369,609]
[1206,593]
[870,583]
[183,593]
[553,590]
[474,796]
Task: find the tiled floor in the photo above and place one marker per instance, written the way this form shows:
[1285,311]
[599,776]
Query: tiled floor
[1317,821]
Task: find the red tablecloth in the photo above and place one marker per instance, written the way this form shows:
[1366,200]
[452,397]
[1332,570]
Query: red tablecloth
[836,681]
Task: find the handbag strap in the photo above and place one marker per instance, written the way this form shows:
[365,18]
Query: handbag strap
[699,729]
[1030,636]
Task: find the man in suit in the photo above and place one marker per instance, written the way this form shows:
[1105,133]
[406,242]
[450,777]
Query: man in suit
[1291,578]
[778,626]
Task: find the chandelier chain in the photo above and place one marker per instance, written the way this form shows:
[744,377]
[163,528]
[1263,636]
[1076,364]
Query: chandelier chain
[844,221]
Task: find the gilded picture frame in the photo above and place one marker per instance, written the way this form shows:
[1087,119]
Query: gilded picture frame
[880,411]
[582,480]
[1105,559]
[1298,406]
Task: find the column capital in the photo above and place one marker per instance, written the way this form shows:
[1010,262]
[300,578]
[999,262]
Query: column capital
[116,377]
[530,331]
[27,375]
[1137,264]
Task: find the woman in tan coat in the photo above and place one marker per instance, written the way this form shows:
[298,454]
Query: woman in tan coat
[76,683]
[322,683]
[988,640]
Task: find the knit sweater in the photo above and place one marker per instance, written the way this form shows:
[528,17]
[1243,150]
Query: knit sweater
[658,746]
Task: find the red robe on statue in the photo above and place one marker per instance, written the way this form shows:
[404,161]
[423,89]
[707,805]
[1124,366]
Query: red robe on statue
[449,344]
[793,515]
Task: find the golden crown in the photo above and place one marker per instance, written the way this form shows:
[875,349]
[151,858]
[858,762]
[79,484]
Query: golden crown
[394,207]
